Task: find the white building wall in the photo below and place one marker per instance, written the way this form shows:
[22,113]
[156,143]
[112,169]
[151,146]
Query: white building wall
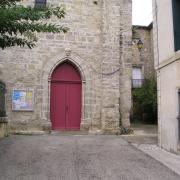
[169,106]
[165,29]
[167,64]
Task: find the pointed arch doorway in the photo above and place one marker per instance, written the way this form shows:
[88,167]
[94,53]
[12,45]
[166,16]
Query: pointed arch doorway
[65,98]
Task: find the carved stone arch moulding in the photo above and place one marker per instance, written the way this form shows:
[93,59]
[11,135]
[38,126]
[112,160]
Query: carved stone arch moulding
[68,59]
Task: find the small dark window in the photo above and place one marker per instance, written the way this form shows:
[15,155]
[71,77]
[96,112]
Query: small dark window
[176,17]
[40,3]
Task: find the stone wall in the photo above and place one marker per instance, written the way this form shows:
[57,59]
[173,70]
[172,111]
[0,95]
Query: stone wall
[99,44]
[3,127]
[145,57]
[167,64]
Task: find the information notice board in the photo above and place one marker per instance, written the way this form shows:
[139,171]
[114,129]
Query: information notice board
[23,100]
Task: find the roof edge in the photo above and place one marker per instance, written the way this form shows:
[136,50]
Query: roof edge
[149,27]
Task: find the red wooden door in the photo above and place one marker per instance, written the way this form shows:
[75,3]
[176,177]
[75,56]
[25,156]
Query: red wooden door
[65,108]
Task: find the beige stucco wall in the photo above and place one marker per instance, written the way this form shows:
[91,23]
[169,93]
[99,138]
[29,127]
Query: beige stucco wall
[169,108]
[167,64]
[165,29]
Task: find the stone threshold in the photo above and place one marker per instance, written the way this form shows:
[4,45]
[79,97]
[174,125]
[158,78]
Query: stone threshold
[54,132]
[69,132]
[37,132]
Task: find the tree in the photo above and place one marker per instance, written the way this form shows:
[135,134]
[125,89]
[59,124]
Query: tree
[19,25]
[145,101]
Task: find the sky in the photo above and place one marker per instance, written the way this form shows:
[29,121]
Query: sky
[142,12]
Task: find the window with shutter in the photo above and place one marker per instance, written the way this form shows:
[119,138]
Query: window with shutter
[40,3]
[176,17]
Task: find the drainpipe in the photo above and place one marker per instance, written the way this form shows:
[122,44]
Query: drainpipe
[158,75]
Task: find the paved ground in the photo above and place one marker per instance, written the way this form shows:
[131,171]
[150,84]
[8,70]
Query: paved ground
[145,138]
[172,161]
[143,134]
[58,157]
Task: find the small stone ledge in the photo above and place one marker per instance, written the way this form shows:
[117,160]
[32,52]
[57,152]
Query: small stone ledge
[111,131]
[3,119]
[95,132]
[29,132]
[3,127]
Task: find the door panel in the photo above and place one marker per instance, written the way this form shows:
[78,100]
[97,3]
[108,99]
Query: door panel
[73,102]
[58,101]
[65,106]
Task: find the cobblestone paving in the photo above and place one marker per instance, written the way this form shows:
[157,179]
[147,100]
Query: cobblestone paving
[73,157]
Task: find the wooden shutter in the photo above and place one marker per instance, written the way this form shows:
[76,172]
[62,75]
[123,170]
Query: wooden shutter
[176,21]
[40,3]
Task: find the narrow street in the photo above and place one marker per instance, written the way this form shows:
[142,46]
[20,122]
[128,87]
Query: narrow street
[77,157]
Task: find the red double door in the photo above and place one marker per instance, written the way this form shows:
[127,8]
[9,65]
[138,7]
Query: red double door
[66,88]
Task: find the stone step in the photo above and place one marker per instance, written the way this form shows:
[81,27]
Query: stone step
[69,132]
[30,132]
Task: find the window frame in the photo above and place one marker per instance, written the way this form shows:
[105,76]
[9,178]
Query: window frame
[140,81]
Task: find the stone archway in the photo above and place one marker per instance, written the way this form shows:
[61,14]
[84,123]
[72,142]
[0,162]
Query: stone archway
[65,97]
[46,74]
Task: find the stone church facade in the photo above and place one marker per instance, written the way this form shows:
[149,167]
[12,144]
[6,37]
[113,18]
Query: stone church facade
[98,45]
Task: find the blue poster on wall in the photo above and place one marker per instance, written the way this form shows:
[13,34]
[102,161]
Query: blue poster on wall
[23,100]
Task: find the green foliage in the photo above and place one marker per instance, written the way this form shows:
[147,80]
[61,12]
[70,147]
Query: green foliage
[125,131]
[145,101]
[4,3]
[19,24]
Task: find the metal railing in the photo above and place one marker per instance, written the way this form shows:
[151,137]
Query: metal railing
[40,3]
[137,83]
